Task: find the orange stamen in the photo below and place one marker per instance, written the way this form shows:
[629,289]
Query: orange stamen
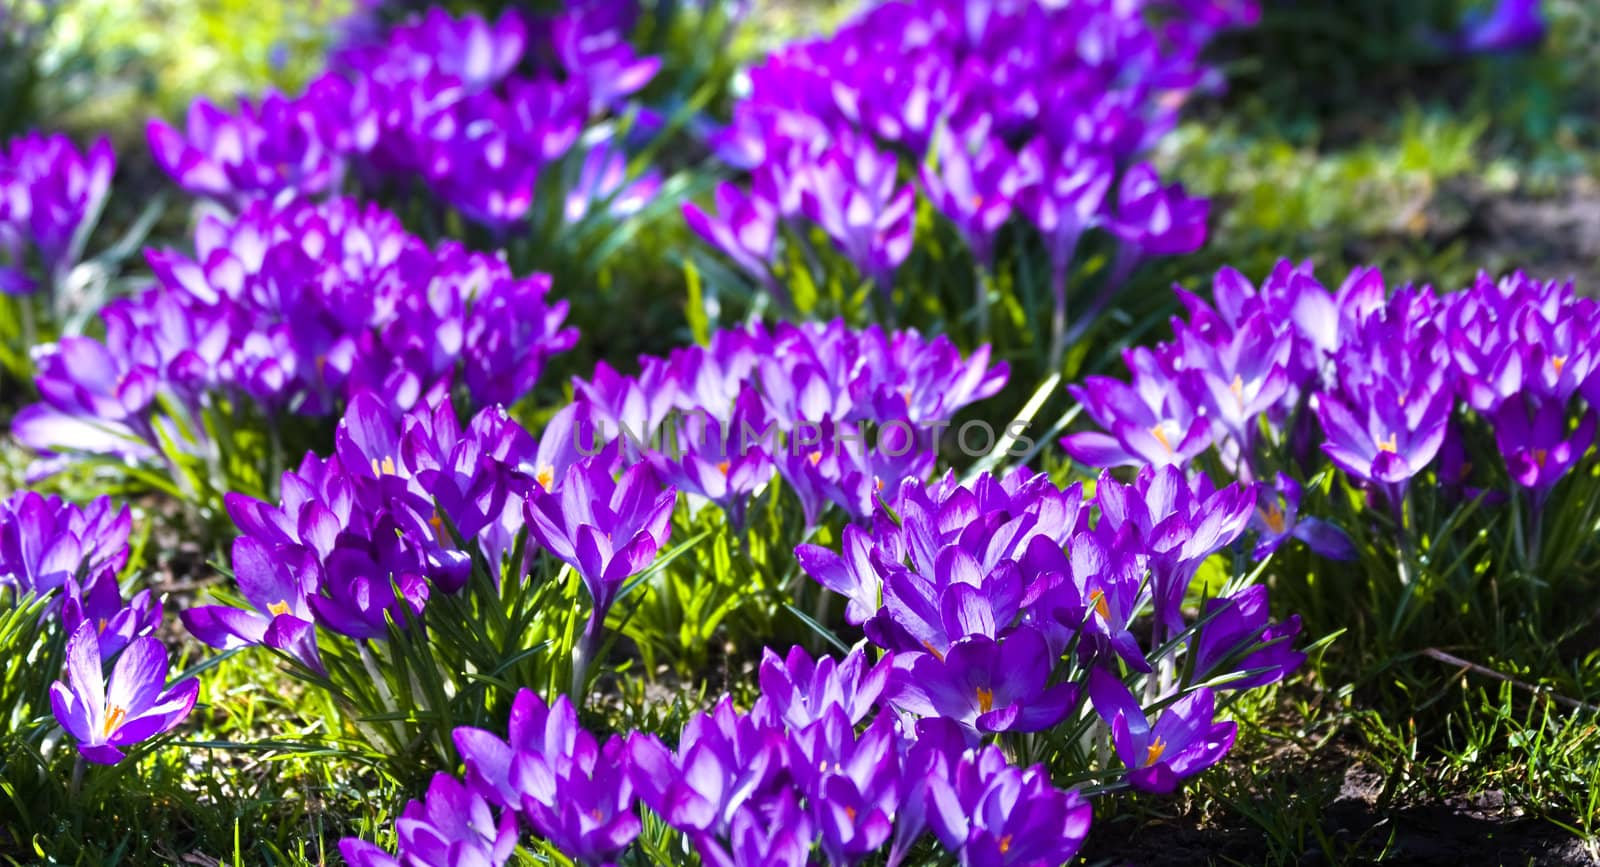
[114,718]
[1098,598]
[1273,516]
[1161,436]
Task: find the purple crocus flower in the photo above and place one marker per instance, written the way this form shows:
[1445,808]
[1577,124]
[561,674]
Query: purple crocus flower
[107,715]
[1277,519]
[1539,445]
[797,690]
[1094,593]
[1180,522]
[852,195]
[744,227]
[986,685]
[852,575]
[46,541]
[475,52]
[591,39]
[1512,25]
[606,529]
[724,761]
[974,186]
[49,193]
[275,151]
[511,330]
[1184,741]
[1156,420]
[706,458]
[779,834]
[992,813]
[852,782]
[99,602]
[364,588]
[1158,220]
[572,790]
[1390,436]
[1063,193]
[603,180]
[277,580]
[1237,628]
[452,825]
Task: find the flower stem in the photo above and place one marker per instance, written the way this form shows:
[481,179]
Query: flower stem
[1058,317]
[76,786]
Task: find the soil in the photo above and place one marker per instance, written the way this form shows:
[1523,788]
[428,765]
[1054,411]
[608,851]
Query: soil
[1358,829]
[1551,237]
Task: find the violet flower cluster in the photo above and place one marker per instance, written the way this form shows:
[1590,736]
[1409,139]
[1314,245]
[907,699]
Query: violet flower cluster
[1030,110]
[797,775]
[70,556]
[838,414]
[1383,385]
[292,311]
[401,511]
[1009,602]
[473,110]
[50,193]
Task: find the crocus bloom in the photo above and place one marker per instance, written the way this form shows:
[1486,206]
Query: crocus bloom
[98,601]
[453,825]
[744,228]
[1277,519]
[992,813]
[603,180]
[1237,627]
[974,187]
[778,836]
[1184,741]
[107,715]
[852,575]
[852,195]
[1157,420]
[796,690]
[275,151]
[276,580]
[608,530]
[1391,437]
[852,782]
[44,541]
[987,685]
[1512,25]
[48,192]
[1538,445]
[723,761]
[574,791]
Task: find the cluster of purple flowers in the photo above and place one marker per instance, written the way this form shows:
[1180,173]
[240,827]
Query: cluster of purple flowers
[1387,383]
[472,109]
[1009,601]
[70,556]
[1511,25]
[292,310]
[796,773]
[50,193]
[1022,107]
[404,507]
[837,413]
